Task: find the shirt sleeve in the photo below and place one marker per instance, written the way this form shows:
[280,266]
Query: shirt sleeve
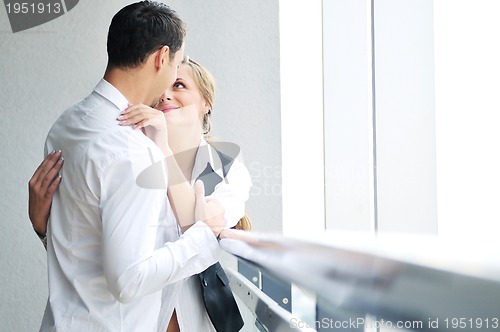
[233,192]
[130,213]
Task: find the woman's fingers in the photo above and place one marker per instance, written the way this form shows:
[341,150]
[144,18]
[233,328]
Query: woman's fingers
[51,174]
[45,175]
[42,186]
[45,167]
[133,118]
[53,186]
[140,116]
[139,121]
[136,109]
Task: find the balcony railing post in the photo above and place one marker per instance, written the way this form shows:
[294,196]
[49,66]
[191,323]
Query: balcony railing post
[280,291]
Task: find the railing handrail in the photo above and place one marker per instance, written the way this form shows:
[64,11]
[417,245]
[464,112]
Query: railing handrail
[358,283]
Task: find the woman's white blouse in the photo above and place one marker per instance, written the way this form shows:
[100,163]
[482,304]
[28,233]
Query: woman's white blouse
[233,191]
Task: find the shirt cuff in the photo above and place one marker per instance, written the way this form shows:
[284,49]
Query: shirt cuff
[193,252]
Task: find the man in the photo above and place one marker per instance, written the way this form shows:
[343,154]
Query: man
[106,266]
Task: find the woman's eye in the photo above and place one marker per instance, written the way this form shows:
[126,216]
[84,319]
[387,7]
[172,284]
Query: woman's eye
[179,85]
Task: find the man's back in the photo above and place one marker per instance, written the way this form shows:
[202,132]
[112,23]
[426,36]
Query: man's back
[91,251]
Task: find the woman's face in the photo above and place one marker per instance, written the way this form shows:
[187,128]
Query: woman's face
[182,102]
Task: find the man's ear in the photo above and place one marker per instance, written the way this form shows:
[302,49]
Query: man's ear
[162,57]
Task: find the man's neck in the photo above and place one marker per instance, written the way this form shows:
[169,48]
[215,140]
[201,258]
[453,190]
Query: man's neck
[132,83]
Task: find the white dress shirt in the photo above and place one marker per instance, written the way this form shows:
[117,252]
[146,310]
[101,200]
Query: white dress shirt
[106,265]
[232,192]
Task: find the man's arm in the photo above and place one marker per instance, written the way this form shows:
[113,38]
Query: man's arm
[130,214]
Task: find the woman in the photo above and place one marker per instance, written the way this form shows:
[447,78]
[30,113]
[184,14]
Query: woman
[179,125]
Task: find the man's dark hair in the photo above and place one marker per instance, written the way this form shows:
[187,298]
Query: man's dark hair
[140,29]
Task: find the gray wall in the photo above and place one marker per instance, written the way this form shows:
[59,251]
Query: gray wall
[45,69]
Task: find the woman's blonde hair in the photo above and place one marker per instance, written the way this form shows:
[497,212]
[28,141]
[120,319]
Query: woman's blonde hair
[244,224]
[206,84]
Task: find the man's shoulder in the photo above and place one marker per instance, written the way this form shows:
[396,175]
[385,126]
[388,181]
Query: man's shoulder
[123,144]
[78,110]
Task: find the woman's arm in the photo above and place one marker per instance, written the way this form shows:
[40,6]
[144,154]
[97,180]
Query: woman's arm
[180,192]
[42,186]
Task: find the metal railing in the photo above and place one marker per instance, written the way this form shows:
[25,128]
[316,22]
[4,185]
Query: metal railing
[362,285]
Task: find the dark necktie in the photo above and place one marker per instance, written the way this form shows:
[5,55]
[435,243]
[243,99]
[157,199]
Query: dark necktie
[210,179]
